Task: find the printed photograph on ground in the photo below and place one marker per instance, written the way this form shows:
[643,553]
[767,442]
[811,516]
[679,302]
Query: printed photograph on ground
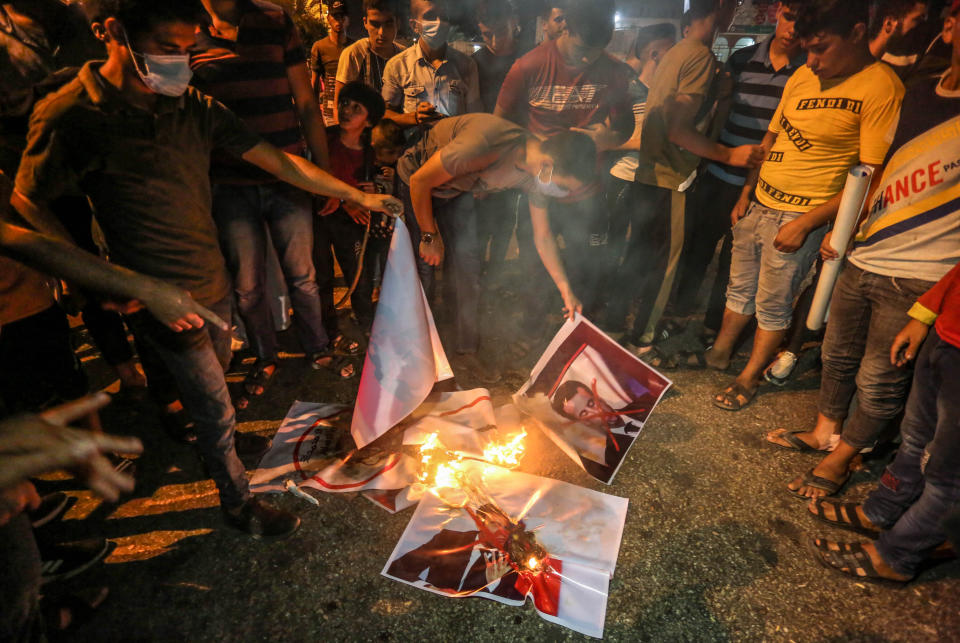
[591,397]
[507,536]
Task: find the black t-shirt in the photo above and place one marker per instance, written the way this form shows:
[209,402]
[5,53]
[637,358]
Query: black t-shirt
[491,71]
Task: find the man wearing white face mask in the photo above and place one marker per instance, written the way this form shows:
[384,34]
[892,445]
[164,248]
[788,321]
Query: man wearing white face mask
[137,142]
[423,84]
[430,80]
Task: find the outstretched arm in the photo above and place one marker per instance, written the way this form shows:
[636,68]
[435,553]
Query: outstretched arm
[301,173]
[430,175]
[683,133]
[169,304]
[547,249]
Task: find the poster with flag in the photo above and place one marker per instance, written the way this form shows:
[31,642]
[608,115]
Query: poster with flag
[314,448]
[519,537]
[404,357]
[591,397]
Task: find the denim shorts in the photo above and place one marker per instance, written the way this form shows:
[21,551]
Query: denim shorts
[764,280]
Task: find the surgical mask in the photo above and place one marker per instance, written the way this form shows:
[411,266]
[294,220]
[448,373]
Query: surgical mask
[167,75]
[434,32]
[549,188]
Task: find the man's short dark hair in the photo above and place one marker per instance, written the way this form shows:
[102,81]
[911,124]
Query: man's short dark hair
[838,17]
[896,9]
[591,20]
[574,154]
[565,392]
[550,6]
[494,12]
[141,16]
[390,135]
[653,33]
[383,6]
[366,96]
[700,9]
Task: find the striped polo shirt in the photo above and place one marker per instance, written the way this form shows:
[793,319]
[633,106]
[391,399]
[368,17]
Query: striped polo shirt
[249,76]
[756,94]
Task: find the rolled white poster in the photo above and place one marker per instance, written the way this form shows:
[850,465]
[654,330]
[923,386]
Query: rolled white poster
[851,204]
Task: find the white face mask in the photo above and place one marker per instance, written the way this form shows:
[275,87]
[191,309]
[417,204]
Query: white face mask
[549,188]
[166,75]
[434,32]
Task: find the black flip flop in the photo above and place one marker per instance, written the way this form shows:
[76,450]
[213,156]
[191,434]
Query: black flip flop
[847,517]
[346,346]
[817,482]
[335,366]
[796,443]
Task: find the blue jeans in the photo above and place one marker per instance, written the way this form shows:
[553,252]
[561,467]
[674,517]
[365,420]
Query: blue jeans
[243,214]
[764,280]
[922,484]
[457,222]
[193,360]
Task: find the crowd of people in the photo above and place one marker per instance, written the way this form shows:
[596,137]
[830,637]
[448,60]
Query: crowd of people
[195,143]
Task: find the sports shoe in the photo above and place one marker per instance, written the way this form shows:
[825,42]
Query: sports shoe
[51,507]
[779,371]
[66,560]
[260,520]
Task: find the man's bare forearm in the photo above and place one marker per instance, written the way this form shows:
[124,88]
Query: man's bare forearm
[546,245]
[301,173]
[39,217]
[66,261]
[422,200]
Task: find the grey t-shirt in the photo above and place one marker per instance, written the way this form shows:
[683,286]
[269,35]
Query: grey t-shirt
[478,150]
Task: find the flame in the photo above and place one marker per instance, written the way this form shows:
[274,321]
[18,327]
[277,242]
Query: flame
[507,454]
[443,468]
[533,563]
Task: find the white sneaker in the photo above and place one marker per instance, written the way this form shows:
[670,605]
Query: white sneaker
[781,368]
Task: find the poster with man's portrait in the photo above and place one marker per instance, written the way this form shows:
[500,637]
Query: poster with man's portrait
[468,549]
[591,396]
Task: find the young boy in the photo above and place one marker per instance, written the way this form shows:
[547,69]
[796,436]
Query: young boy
[366,59]
[342,225]
[325,58]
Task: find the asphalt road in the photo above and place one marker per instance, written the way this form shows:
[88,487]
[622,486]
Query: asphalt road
[713,549]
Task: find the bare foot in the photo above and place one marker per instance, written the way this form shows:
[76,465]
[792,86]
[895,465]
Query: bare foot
[715,361]
[832,469]
[807,437]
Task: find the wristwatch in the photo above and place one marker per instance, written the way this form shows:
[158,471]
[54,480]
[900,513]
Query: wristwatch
[428,237]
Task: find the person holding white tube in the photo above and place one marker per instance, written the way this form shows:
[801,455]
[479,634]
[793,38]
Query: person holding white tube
[838,110]
[908,240]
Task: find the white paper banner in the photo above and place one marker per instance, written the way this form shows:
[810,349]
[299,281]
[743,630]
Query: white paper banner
[405,358]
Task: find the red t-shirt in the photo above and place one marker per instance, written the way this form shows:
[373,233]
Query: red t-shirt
[547,96]
[942,302]
[346,164]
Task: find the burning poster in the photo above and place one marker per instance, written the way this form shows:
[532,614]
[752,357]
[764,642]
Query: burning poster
[488,532]
[313,448]
[591,397]
[405,358]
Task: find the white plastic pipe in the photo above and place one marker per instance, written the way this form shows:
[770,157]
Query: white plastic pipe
[851,204]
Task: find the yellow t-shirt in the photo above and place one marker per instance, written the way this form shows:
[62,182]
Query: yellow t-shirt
[823,129]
